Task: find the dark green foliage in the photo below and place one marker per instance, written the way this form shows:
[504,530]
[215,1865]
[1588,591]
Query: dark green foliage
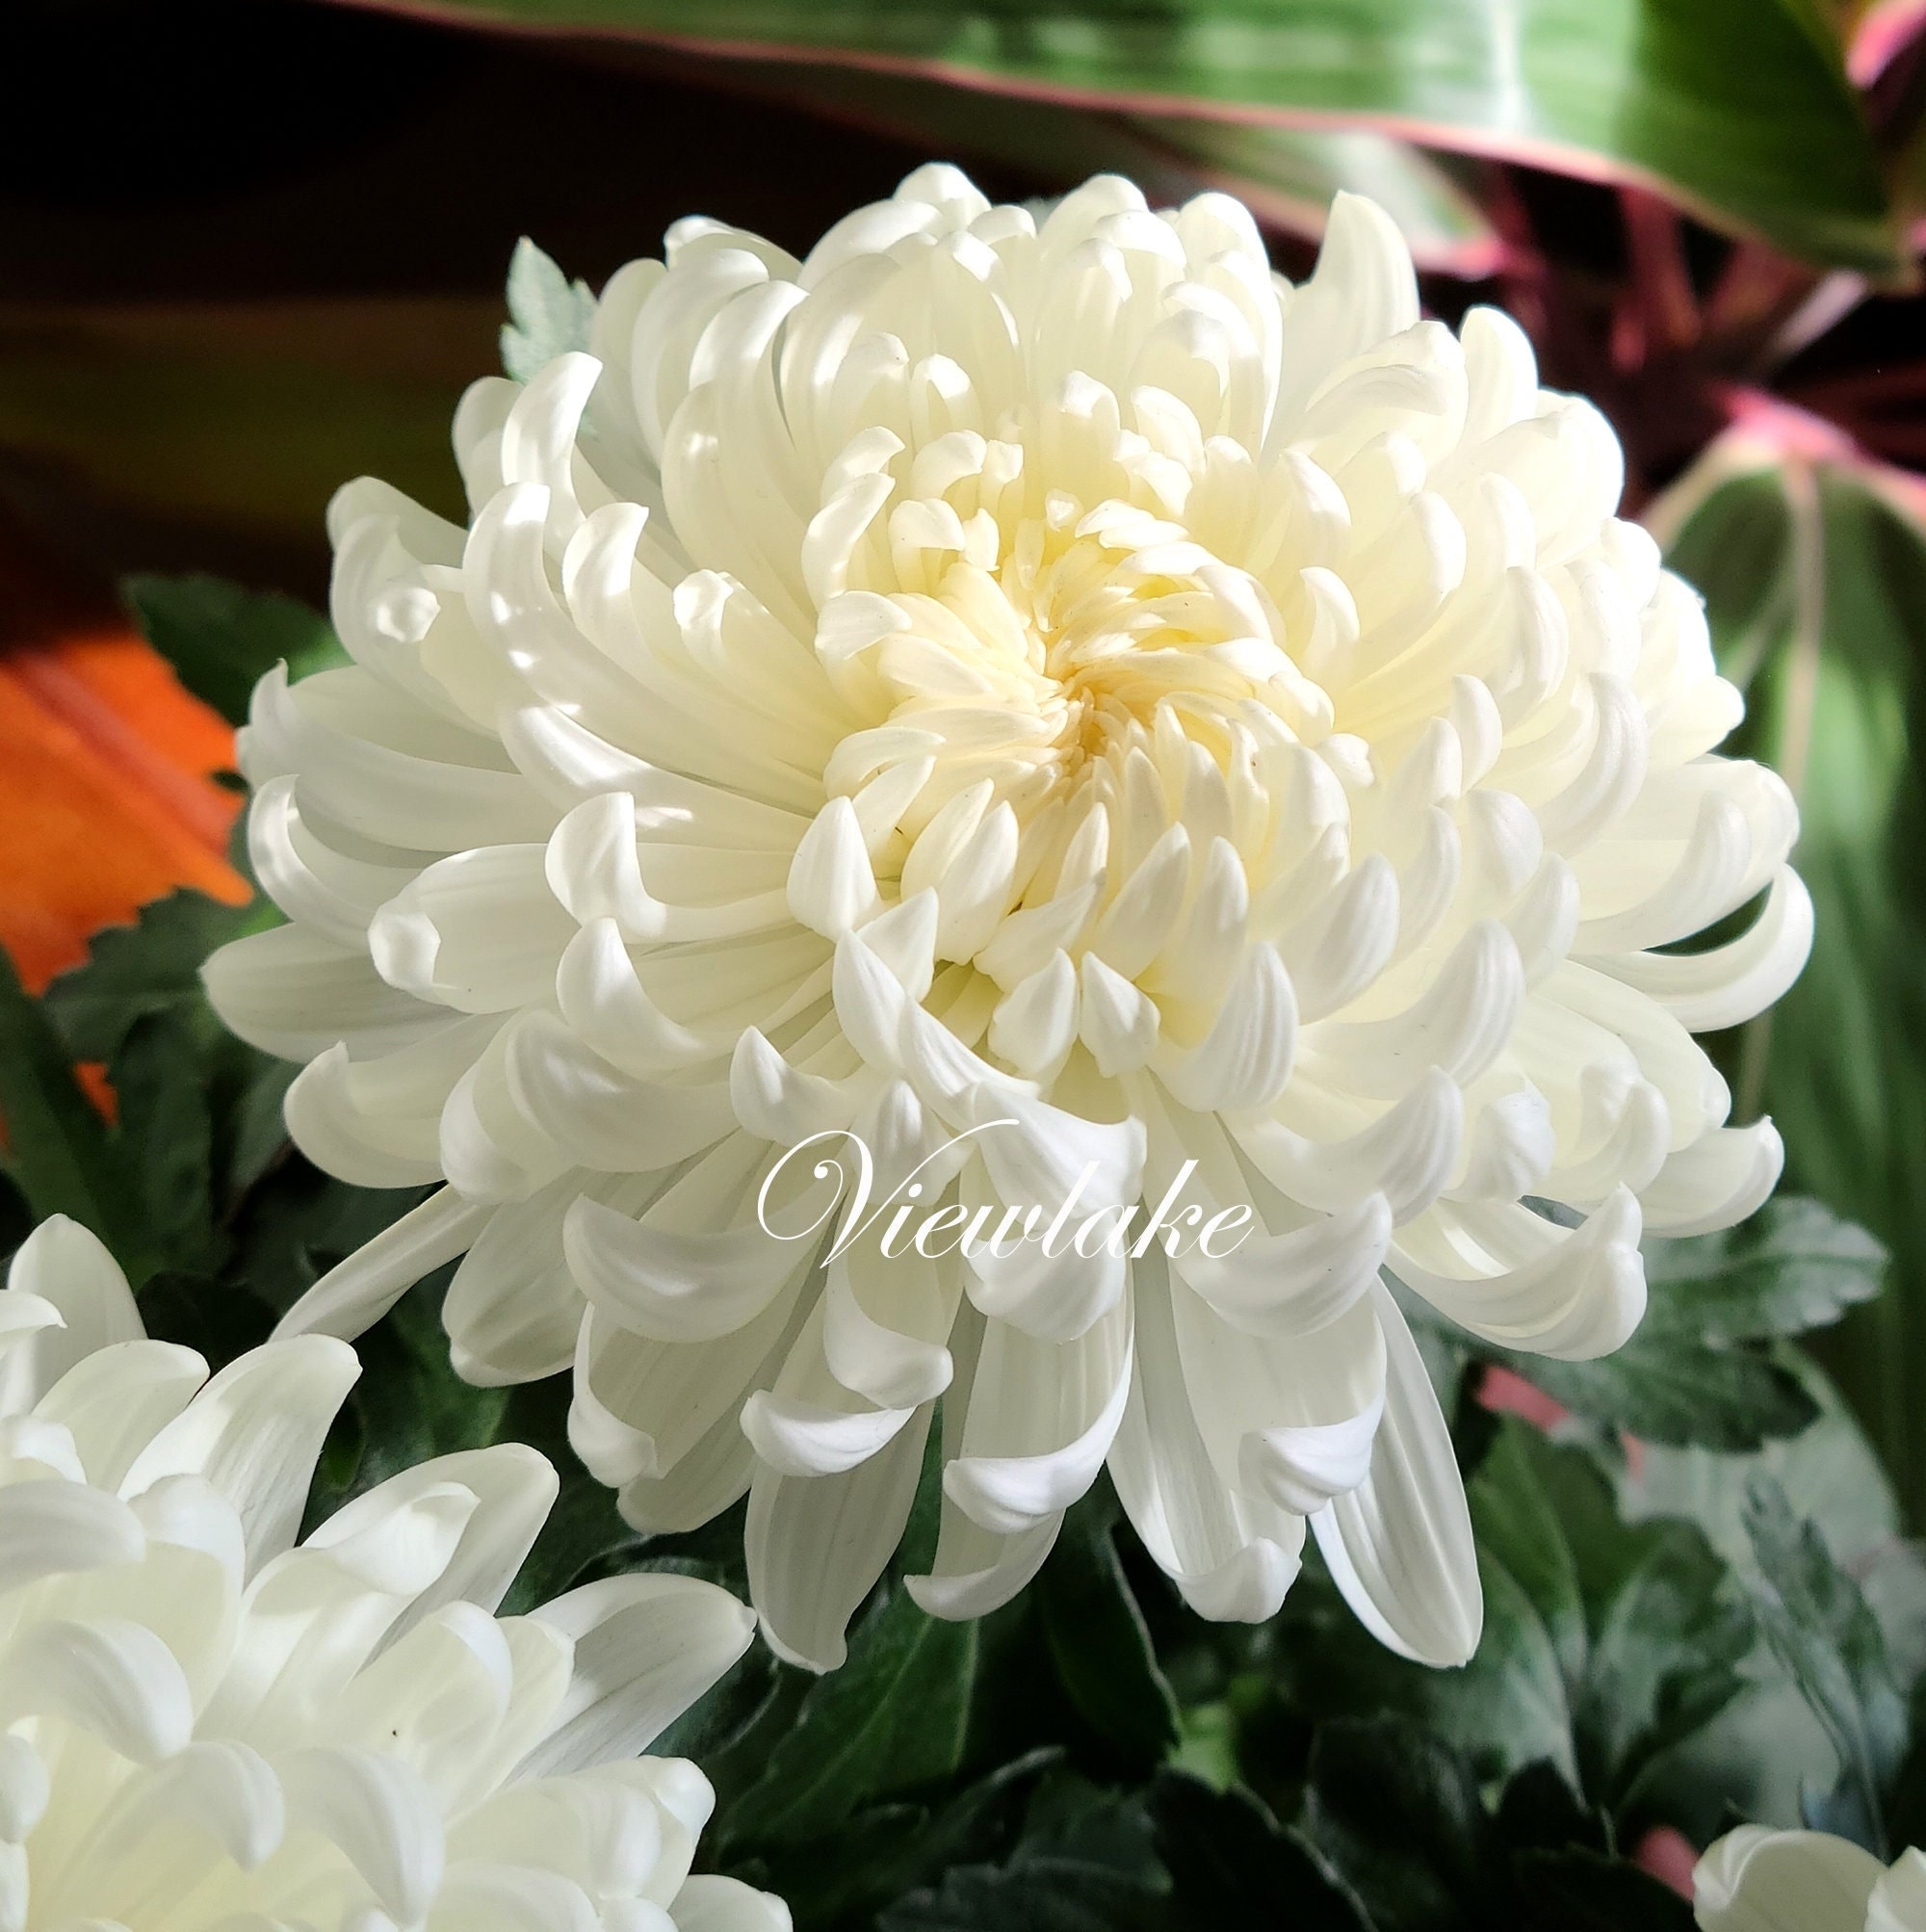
[1097,1637]
[1579,1891]
[1231,1863]
[61,1156]
[219,639]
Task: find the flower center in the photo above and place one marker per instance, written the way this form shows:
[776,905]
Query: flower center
[1025,669]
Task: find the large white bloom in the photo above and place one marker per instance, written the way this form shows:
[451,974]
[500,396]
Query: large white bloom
[204,1726]
[1034,669]
[1758,1880]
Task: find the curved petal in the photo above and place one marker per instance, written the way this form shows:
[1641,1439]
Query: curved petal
[1399,1545]
[646,1647]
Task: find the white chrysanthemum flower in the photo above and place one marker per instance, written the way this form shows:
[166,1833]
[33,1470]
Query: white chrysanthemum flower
[205,1725]
[1043,671]
[1758,1880]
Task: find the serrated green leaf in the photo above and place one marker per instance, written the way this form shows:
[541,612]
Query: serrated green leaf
[1605,1642]
[1084,1858]
[1733,105]
[1758,1757]
[890,1720]
[58,1152]
[1794,1266]
[1231,1865]
[220,639]
[1097,1637]
[200,1110]
[1666,1627]
[1670,1388]
[1818,1623]
[149,967]
[1403,1819]
[1398,1812]
[549,315]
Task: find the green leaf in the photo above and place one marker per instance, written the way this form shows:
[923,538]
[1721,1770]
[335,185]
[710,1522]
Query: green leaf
[1085,1860]
[1041,1895]
[295,1223]
[153,966]
[220,639]
[1402,1818]
[1230,1865]
[59,1151]
[1097,1637]
[1794,1266]
[1398,1813]
[890,1720]
[200,1112]
[1670,1383]
[165,1135]
[584,1535]
[218,1320]
[1580,1890]
[1758,1756]
[1605,1643]
[888,1851]
[1818,1623]
[1815,588]
[406,1407]
[1667,1386]
[549,315]
[1732,105]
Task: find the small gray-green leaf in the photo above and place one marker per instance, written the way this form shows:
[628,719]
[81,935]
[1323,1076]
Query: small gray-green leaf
[1794,1266]
[1829,1640]
[548,314]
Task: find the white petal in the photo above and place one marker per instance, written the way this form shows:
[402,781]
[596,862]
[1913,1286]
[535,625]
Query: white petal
[67,1267]
[1399,1545]
[383,1817]
[115,1401]
[513,1487]
[708,1904]
[354,1294]
[114,1678]
[1758,1880]
[254,1433]
[816,1544]
[646,1647]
